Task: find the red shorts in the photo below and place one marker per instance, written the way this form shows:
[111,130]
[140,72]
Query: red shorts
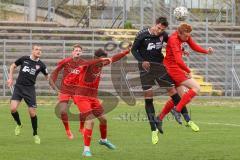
[178,75]
[88,106]
[64,97]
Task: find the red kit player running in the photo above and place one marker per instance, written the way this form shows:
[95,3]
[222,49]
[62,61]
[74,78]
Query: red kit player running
[85,81]
[66,66]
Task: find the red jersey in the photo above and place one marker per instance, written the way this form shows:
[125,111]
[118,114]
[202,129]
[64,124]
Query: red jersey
[173,58]
[87,76]
[67,66]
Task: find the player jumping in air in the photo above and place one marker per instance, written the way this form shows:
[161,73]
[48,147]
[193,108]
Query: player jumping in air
[66,65]
[147,49]
[179,71]
[86,80]
[30,66]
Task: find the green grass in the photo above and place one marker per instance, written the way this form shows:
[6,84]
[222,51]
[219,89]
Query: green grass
[218,139]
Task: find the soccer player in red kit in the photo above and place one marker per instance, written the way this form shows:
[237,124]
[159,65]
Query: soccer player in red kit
[178,70]
[86,80]
[66,66]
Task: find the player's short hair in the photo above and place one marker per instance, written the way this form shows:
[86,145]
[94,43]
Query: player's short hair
[100,53]
[162,20]
[77,46]
[35,45]
[184,28]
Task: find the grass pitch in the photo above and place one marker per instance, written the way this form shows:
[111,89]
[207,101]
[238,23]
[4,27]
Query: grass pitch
[218,139]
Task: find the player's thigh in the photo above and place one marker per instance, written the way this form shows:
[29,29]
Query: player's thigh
[14,104]
[82,103]
[64,97]
[89,123]
[163,78]
[147,79]
[191,84]
[97,108]
[63,106]
[29,96]
[16,98]
[181,90]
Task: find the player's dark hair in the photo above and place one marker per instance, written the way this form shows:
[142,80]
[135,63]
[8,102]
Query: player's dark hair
[100,53]
[162,20]
[77,46]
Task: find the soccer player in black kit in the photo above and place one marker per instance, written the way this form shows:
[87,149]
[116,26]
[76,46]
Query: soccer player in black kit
[147,49]
[30,66]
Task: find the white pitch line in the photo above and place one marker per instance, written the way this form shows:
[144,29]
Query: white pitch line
[209,123]
[224,124]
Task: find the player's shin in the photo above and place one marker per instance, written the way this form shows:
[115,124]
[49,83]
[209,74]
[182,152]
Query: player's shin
[34,125]
[16,117]
[150,113]
[65,122]
[186,98]
[185,114]
[166,109]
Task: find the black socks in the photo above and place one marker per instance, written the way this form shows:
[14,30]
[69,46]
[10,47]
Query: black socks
[16,118]
[34,125]
[150,113]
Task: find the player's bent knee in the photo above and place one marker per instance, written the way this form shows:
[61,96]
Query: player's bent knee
[102,120]
[196,89]
[89,123]
[13,110]
[172,91]
[148,94]
[32,112]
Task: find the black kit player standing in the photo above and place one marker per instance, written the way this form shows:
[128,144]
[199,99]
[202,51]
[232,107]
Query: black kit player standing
[30,67]
[147,49]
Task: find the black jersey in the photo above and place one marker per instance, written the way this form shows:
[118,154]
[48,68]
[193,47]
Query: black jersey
[148,47]
[29,70]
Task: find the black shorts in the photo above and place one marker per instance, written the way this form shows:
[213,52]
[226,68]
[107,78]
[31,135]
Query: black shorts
[25,92]
[157,73]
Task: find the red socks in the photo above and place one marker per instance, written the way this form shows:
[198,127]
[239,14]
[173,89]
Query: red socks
[103,130]
[87,136]
[186,98]
[64,118]
[166,109]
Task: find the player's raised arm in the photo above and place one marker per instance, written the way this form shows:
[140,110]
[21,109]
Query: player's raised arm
[194,46]
[119,56]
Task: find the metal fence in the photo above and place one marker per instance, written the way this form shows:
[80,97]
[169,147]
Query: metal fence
[221,69]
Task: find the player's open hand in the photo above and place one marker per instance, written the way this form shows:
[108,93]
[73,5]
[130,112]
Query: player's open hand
[146,65]
[210,50]
[10,82]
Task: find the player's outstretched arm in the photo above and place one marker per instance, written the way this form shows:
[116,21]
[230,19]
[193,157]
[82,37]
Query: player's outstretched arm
[194,46]
[119,56]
